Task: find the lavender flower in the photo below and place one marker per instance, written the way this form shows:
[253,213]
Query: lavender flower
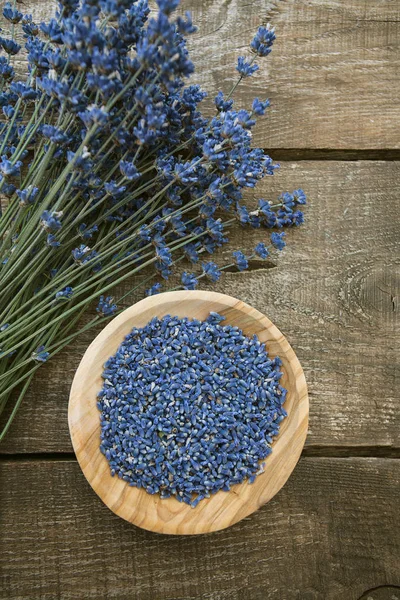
[189,281]
[246,68]
[40,355]
[118,152]
[241,260]
[50,221]
[263,40]
[211,271]
[261,250]
[106,306]
[11,14]
[278,241]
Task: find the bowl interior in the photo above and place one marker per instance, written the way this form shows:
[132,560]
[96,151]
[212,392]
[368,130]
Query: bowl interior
[223,508]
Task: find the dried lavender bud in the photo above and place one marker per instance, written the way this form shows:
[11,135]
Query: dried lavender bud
[189,408]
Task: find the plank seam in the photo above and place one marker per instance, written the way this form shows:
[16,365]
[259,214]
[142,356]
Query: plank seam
[314,452]
[301,154]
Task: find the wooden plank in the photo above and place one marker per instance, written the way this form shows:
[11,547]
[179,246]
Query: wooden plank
[334,295]
[330,534]
[333,77]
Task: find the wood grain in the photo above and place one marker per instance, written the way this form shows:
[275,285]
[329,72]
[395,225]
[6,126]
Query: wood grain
[333,294]
[330,534]
[333,77]
[224,508]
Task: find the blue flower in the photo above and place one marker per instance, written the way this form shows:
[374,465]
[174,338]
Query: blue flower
[222,104]
[94,115]
[52,31]
[65,293]
[259,107]
[155,289]
[164,255]
[40,355]
[106,306]
[245,68]
[8,112]
[52,241]
[29,27]
[185,172]
[191,252]
[211,271]
[82,162]
[263,40]
[11,14]
[299,196]
[23,91]
[261,250]
[10,46]
[129,170]
[215,228]
[50,221]
[241,260]
[83,254]
[6,70]
[8,169]
[85,232]
[55,135]
[167,6]
[278,241]
[189,281]
[242,214]
[114,190]
[7,189]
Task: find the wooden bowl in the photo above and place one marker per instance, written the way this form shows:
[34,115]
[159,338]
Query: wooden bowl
[223,508]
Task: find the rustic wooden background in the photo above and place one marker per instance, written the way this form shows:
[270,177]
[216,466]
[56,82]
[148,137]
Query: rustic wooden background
[332,533]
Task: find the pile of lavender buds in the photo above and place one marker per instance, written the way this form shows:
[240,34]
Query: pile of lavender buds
[189,407]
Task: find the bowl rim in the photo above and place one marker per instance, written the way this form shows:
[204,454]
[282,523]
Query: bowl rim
[223,508]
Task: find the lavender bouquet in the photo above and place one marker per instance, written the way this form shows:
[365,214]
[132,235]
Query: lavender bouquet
[109,170]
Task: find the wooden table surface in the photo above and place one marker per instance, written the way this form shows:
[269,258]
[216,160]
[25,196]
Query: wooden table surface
[333,532]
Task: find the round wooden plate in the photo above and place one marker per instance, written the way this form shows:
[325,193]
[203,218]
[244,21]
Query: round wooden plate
[224,508]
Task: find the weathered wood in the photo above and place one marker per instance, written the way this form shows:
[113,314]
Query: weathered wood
[330,534]
[333,77]
[224,508]
[384,592]
[333,294]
